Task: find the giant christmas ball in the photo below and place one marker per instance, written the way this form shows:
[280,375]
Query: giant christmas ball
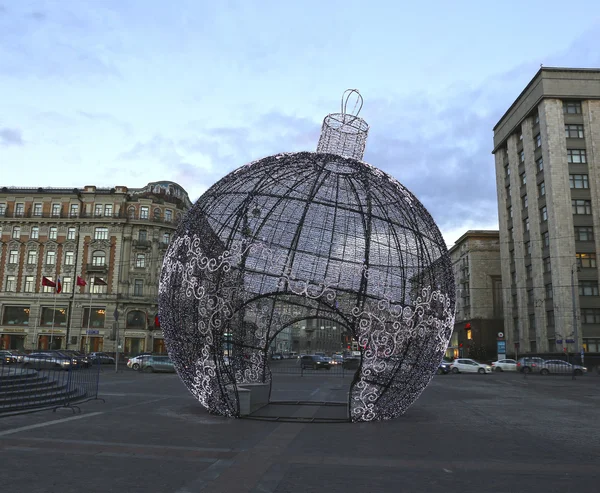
[298,236]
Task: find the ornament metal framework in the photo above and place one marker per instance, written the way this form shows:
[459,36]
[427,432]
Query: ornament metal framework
[305,235]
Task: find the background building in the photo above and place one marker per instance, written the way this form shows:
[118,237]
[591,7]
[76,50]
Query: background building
[546,148]
[114,239]
[476,266]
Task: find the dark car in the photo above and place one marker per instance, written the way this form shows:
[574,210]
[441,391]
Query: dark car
[444,368]
[101,359]
[351,363]
[530,364]
[47,360]
[314,362]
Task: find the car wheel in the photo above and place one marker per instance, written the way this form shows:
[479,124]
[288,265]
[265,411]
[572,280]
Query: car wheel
[148,369]
[481,371]
[135,366]
[544,372]
[578,372]
[499,369]
[439,372]
[454,370]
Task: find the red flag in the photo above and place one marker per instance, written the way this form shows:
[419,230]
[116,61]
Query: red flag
[156,321]
[98,281]
[58,285]
[48,282]
[80,281]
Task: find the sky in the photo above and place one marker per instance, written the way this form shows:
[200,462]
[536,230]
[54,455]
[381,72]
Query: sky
[113,92]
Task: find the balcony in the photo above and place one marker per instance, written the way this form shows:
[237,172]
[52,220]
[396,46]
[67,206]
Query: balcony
[96,268]
[142,243]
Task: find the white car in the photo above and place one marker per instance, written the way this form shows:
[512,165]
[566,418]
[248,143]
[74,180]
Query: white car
[464,365]
[505,365]
[136,362]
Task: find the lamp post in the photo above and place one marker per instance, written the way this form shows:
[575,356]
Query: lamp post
[575,331]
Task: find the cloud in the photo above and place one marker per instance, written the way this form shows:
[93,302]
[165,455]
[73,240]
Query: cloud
[106,118]
[10,136]
[38,16]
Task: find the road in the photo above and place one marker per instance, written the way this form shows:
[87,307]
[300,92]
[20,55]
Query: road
[466,433]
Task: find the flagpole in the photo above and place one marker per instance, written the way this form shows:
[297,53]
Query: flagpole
[53,317]
[35,322]
[87,332]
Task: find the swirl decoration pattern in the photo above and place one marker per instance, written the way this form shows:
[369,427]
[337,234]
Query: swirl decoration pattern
[298,236]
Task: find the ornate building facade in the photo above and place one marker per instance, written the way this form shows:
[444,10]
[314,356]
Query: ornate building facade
[113,239]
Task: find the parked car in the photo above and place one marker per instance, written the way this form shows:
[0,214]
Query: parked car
[153,364]
[83,360]
[444,368]
[42,361]
[314,362]
[276,356]
[101,358]
[6,358]
[530,364]
[466,365]
[505,365]
[135,362]
[560,366]
[337,359]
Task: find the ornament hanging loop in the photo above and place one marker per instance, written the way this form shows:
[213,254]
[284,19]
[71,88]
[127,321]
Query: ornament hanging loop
[346,98]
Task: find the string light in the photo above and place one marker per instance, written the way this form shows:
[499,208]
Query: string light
[329,234]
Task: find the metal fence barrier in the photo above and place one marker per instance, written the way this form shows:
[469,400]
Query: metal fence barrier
[41,380]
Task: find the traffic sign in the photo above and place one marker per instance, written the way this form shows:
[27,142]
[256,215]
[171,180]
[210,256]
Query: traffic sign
[501,347]
[500,335]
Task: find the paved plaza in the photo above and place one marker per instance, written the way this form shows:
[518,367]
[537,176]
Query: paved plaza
[466,433]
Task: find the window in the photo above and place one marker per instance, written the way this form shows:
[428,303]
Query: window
[522,156]
[572,107]
[29,284]
[99,258]
[521,136]
[528,247]
[576,156]
[55,210]
[140,260]
[37,210]
[71,233]
[138,287]
[542,189]
[101,234]
[13,257]
[550,318]
[536,119]
[74,210]
[581,206]
[98,210]
[167,236]
[532,327]
[544,213]
[67,284]
[16,232]
[549,294]
[526,224]
[588,288]
[538,141]
[157,213]
[15,315]
[136,319]
[32,257]
[47,289]
[99,285]
[545,239]
[35,232]
[523,179]
[574,131]
[69,258]
[590,315]
[586,260]
[528,271]
[52,316]
[591,345]
[547,265]
[510,212]
[53,233]
[142,236]
[579,181]
[11,284]
[94,317]
[525,202]
[144,212]
[540,164]
[506,173]
[2,209]
[530,296]
[50,258]
[131,212]
[169,214]
[584,233]
[20,210]
[108,210]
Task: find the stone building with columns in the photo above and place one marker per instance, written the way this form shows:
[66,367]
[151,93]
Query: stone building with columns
[114,239]
[547,159]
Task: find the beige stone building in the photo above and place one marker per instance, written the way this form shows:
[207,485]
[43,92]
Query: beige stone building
[479,314]
[113,239]
[547,154]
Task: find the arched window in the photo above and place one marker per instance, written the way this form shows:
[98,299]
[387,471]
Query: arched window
[157,213]
[136,319]
[99,258]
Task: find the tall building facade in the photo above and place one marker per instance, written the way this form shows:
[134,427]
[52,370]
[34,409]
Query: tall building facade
[479,298]
[547,159]
[112,239]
